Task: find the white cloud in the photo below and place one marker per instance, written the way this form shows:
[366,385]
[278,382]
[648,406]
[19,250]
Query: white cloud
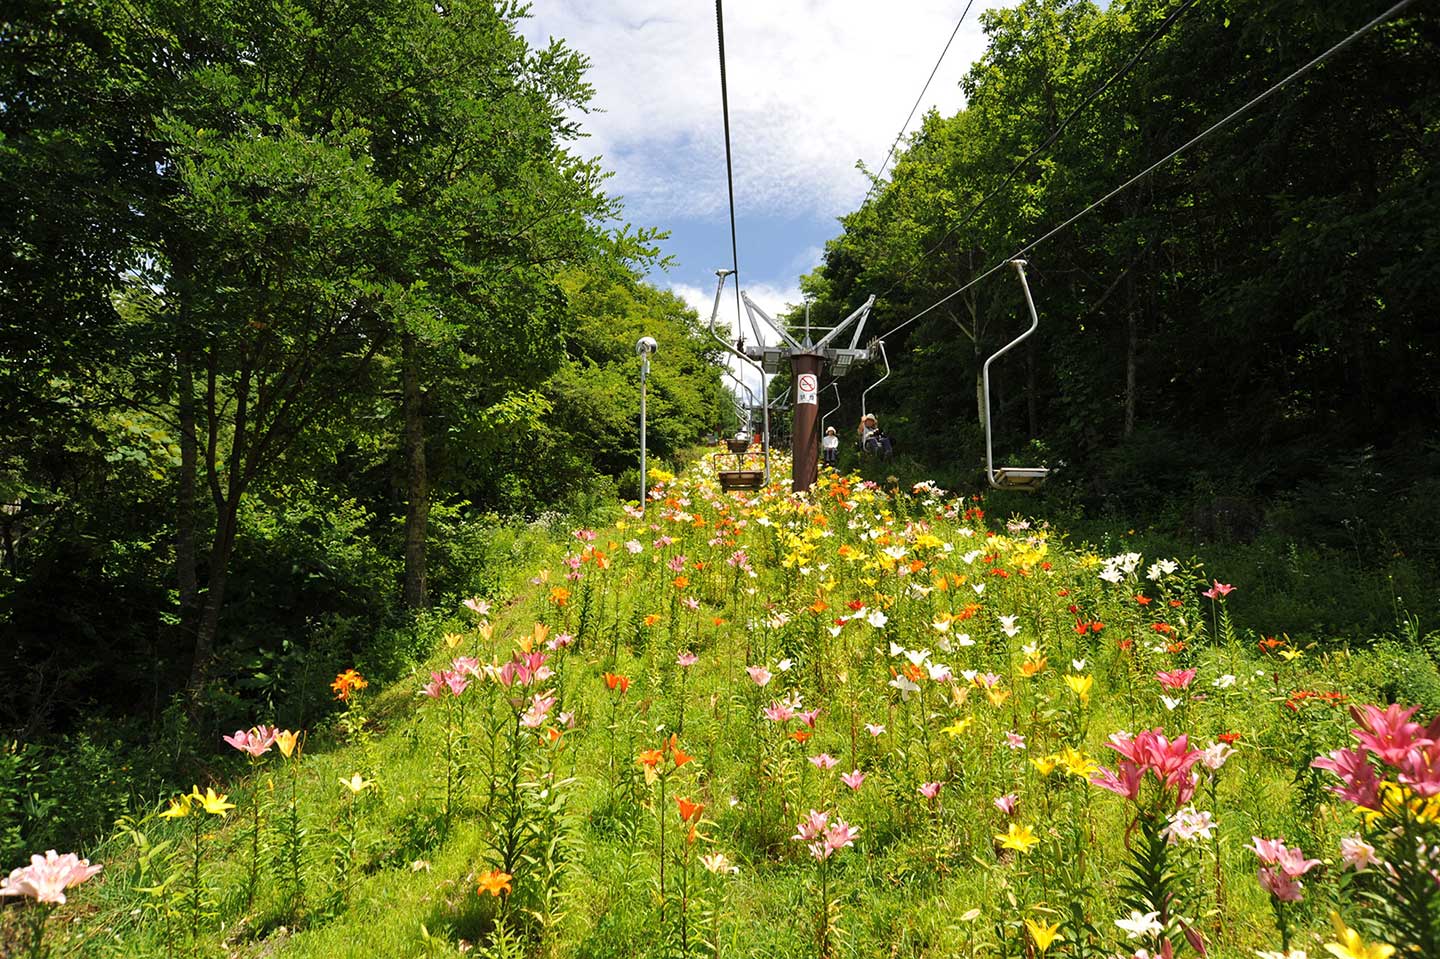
[814,85]
[772,299]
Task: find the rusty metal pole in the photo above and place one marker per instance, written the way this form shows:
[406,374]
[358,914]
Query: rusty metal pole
[805,440]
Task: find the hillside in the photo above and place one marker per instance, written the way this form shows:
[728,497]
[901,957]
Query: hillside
[860,722]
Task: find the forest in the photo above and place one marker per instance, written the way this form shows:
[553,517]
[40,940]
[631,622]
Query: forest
[318,380]
[302,313]
[1242,346]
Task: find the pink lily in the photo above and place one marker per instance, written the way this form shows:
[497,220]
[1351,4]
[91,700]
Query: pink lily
[47,877]
[257,741]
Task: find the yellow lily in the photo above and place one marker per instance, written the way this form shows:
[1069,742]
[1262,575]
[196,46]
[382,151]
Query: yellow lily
[1080,686]
[286,740]
[356,784]
[179,808]
[1077,763]
[997,695]
[1045,764]
[1351,946]
[211,803]
[959,726]
[1042,935]
[1018,837]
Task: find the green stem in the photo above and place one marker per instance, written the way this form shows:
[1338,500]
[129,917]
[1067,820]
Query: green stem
[40,915]
[195,892]
[254,851]
[824,929]
[449,759]
[663,778]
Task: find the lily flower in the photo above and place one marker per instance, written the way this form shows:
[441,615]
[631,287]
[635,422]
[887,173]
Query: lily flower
[211,803]
[1018,837]
[717,863]
[494,882]
[256,742]
[1351,946]
[1042,935]
[1140,925]
[47,877]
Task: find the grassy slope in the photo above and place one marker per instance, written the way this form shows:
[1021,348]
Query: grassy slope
[909,887]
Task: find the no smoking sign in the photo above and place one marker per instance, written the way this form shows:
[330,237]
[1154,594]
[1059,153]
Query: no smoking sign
[807,388]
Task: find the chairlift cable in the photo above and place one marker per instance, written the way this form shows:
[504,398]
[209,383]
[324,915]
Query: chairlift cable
[1224,121]
[1150,41]
[964,13]
[729,168]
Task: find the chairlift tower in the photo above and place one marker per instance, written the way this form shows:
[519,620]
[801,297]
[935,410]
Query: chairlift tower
[808,358]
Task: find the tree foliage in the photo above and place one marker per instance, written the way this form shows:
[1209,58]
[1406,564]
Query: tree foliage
[276,280]
[1251,317]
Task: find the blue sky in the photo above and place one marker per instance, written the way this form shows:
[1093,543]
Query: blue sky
[815,87]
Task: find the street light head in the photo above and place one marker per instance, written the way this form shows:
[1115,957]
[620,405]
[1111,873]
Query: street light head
[646,345]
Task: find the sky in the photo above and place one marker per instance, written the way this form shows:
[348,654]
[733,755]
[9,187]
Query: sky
[815,88]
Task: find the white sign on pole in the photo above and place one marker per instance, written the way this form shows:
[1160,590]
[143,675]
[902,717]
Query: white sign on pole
[806,388]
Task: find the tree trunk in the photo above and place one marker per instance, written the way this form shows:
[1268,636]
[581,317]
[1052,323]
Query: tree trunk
[227,510]
[417,485]
[185,556]
[224,545]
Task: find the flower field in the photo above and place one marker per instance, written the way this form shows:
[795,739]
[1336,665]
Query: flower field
[861,722]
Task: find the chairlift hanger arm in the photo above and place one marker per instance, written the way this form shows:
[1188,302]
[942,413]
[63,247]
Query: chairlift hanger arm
[834,385]
[720,276]
[1010,477]
[779,328]
[886,358]
[859,317]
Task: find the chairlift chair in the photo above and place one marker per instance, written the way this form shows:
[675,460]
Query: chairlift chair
[880,345]
[880,445]
[740,477]
[1011,477]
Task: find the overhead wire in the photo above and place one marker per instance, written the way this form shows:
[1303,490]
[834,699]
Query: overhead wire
[1208,131]
[729,169]
[906,125]
[1129,65]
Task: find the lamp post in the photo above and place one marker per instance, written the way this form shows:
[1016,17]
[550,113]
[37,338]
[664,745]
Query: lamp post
[644,347]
